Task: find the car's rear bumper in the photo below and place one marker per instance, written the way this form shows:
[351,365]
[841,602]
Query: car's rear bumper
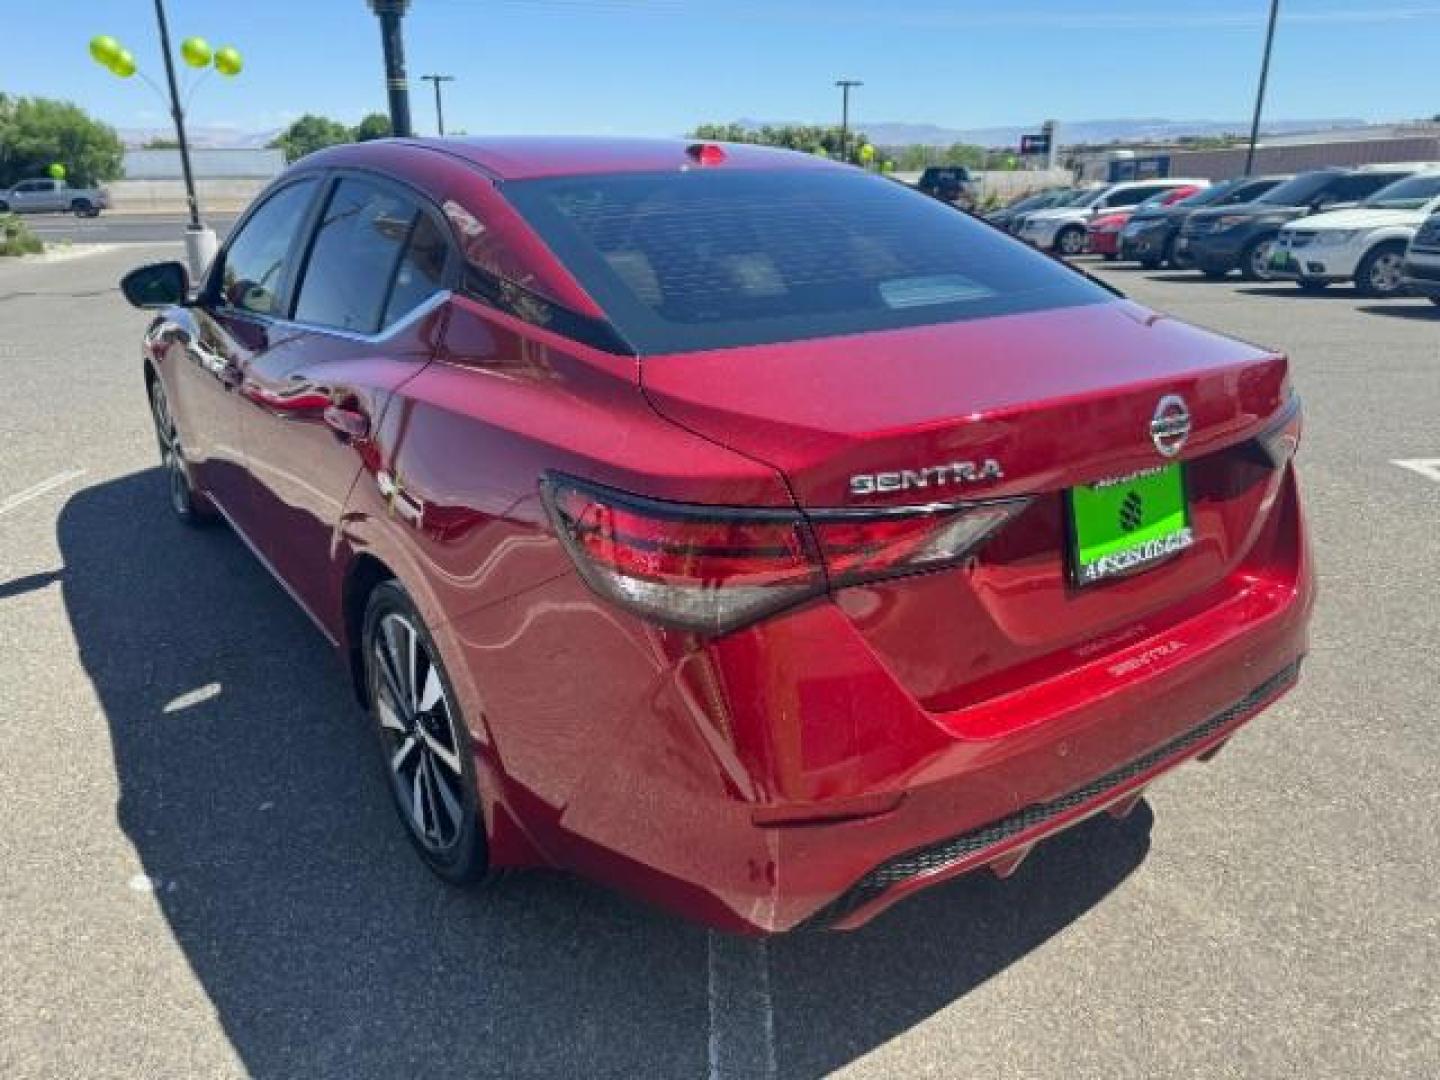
[1104,243]
[669,798]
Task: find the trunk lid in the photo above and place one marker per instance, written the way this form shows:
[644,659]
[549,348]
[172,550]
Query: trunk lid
[1024,405]
[1054,398]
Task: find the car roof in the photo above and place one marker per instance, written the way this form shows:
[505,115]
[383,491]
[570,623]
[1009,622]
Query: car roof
[523,157]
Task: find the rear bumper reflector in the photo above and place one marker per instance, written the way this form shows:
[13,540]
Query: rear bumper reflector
[938,856]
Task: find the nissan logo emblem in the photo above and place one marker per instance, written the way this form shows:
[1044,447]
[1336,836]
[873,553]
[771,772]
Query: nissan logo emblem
[1171,425]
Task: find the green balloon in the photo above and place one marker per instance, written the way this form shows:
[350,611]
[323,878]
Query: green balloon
[104,49]
[123,64]
[228,60]
[196,51]
[56,171]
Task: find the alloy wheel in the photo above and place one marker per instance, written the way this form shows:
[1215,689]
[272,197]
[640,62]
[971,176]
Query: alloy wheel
[171,457]
[417,725]
[1387,274]
[1260,261]
[1072,242]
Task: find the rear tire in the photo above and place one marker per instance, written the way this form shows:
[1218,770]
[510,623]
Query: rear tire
[425,747]
[1071,241]
[1255,261]
[1110,256]
[1215,274]
[1380,274]
[185,502]
[83,208]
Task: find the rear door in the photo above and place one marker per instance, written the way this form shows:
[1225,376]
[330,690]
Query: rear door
[365,318]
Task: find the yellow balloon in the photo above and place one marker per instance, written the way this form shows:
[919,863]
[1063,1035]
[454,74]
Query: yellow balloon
[228,61]
[56,171]
[196,51]
[123,64]
[867,153]
[104,49]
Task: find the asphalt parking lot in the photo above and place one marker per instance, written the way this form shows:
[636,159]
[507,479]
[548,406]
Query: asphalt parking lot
[201,876]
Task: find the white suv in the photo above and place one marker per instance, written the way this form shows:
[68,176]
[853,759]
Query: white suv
[1365,244]
[1062,229]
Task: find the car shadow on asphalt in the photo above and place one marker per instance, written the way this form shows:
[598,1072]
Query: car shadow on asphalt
[1423,312]
[1294,292]
[252,797]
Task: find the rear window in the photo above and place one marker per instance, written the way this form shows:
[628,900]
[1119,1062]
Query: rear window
[1298,190]
[708,259]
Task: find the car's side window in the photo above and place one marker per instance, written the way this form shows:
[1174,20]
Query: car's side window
[422,269]
[354,256]
[254,266]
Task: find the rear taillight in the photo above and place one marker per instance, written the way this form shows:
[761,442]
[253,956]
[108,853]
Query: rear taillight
[712,569]
[1279,442]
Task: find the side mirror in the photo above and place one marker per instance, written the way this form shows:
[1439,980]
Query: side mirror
[157,285]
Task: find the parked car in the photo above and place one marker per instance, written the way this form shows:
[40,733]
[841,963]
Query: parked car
[641,567]
[1102,234]
[1062,229]
[1076,197]
[1005,217]
[1225,238]
[1366,245]
[44,195]
[1150,235]
[1422,261]
[952,184]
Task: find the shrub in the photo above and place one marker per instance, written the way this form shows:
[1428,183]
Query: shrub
[16,239]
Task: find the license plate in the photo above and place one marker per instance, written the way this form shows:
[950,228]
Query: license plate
[1123,526]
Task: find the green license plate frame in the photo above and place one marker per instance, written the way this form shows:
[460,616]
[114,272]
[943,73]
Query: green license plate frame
[1129,524]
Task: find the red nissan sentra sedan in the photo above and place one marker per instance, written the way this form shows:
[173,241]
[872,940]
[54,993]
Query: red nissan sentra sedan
[734,527]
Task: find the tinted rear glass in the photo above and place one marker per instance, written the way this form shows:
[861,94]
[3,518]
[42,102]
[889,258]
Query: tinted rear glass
[1299,190]
[710,259]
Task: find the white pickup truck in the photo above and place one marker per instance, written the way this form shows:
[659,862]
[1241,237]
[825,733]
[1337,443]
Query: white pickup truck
[44,195]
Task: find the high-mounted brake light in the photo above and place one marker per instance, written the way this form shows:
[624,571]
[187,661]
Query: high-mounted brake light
[713,569]
[706,153]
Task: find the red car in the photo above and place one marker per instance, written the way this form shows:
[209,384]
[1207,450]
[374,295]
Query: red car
[734,527]
[1103,232]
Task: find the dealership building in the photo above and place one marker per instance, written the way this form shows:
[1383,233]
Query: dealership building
[1276,154]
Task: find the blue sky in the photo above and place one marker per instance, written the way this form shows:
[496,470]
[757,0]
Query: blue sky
[660,66]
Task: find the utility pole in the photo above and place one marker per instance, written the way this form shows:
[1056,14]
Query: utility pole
[439,109]
[845,86]
[1260,94]
[390,12]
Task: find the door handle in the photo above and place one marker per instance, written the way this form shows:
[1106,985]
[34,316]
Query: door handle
[350,424]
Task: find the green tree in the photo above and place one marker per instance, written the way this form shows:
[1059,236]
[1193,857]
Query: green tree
[161,143]
[310,133]
[36,133]
[374,126]
[804,137]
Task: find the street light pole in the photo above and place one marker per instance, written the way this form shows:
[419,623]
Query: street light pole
[845,85]
[178,114]
[390,12]
[439,109]
[1260,94]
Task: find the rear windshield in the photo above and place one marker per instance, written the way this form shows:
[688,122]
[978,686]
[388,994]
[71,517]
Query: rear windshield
[1298,190]
[708,259]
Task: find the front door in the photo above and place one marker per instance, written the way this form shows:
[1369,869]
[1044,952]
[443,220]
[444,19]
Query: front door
[236,324]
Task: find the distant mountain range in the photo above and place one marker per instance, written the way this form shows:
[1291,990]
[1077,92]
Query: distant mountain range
[899,133]
[890,132]
[201,138]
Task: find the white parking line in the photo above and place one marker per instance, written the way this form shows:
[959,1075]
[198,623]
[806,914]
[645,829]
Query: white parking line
[42,488]
[742,1021]
[1426,467]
